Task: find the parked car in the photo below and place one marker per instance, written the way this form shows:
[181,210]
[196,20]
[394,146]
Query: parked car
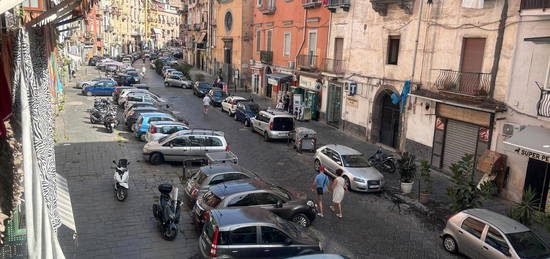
[481,233]
[126,112]
[201,88]
[144,122]
[84,84]
[127,60]
[178,73]
[245,112]
[135,75]
[229,104]
[159,129]
[217,96]
[125,92]
[253,233]
[273,124]
[167,72]
[296,206]
[357,172]
[184,145]
[164,68]
[126,79]
[177,81]
[141,86]
[118,91]
[100,88]
[138,98]
[133,115]
[210,175]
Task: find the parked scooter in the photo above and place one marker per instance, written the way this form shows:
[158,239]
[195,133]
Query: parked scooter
[167,211]
[110,122]
[382,161]
[121,179]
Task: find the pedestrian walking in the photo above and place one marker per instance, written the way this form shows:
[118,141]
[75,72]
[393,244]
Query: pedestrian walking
[206,103]
[338,188]
[320,185]
[286,101]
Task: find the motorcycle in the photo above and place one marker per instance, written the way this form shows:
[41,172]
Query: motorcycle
[110,122]
[167,211]
[382,161]
[121,179]
[101,108]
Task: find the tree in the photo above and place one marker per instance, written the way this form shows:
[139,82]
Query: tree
[465,194]
[525,210]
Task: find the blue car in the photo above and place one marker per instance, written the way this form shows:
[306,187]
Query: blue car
[217,96]
[246,111]
[100,88]
[201,89]
[144,122]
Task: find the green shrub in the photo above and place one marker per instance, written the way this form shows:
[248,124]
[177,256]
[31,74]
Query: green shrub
[158,66]
[425,174]
[199,77]
[524,211]
[407,167]
[465,194]
[543,219]
[184,68]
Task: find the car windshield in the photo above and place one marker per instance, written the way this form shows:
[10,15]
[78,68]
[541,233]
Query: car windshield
[218,94]
[355,161]
[281,192]
[252,108]
[163,139]
[204,86]
[132,73]
[528,245]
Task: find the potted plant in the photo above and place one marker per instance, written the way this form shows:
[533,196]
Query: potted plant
[425,174]
[407,170]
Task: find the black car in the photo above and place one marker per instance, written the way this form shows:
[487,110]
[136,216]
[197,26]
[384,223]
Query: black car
[217,96]
[255,192]
[93,61]
[126,79]
[201,88]
[254,233]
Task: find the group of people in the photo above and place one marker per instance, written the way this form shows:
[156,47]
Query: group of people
[284,102]
[322,184]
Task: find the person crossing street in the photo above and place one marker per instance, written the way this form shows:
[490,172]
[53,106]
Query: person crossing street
[206,104]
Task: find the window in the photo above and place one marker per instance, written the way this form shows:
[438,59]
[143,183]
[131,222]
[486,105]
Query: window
[197,141]
[269,36]
[264,198]
[273,236]
[246,235]
[228,21]
[217,179]
[37,5]
[393,50]
[214,142]
[258,40]
[242,200]
[473,226]
[497,241]
[312,43]
[259,3]
[234,176]
[287,42]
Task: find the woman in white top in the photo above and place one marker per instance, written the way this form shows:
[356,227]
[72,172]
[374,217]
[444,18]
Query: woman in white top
[338,188]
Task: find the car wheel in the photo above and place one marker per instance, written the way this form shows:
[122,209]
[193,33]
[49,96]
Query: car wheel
[317,165]
[449,243]
[301,219]
[84,86]
[266,136]
[89,93]
[348,183]
[166,84]
[156,159]
[247,123]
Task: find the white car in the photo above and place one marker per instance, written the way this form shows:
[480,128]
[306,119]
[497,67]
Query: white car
[167,72]
[124,94]
[159,129]
[229,104]
[84,84]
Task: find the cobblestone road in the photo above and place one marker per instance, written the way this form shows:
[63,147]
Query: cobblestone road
[371,228]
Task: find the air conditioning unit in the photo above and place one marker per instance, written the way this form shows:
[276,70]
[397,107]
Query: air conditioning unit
[508,129]
[291,64]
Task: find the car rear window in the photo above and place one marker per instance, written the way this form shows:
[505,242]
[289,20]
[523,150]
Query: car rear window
[283,124]
[211,199]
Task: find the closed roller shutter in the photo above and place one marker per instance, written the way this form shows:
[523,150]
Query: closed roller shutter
[461,138]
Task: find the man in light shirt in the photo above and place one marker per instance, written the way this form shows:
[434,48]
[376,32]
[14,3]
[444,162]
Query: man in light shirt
[206,103]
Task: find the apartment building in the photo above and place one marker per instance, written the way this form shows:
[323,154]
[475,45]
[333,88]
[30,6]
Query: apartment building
[196,31]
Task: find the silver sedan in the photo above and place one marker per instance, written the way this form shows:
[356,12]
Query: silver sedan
[357,172]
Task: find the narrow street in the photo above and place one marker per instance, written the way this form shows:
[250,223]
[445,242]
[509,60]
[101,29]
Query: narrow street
[372,226]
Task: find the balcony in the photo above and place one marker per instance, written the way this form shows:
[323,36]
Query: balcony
[204,25]
[197,26]
[266,56]
[311,3]
[534,4]
[543,106]
[334,66]
[269,9]
[308,62]
[463,83]
[381,6]
[332,5]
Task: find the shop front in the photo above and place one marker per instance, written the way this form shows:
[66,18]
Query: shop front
[307,98]
[277,85]
[533,143]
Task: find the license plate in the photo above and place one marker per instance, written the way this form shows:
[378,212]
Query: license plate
[374,186]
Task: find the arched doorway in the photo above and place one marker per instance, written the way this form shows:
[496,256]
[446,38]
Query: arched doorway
[267,86]
[386,118]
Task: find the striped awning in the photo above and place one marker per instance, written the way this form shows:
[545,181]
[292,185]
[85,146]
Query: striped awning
[9,4]
[64,206]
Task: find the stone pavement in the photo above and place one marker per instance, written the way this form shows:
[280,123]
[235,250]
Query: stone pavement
[106,227]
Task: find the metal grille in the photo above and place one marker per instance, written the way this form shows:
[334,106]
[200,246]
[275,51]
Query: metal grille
[461,139]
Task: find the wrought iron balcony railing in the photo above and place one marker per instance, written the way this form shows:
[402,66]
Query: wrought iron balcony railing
[534,4]
[311,3]
[268,9]
[308,62]
[335,66]
[266,56]
[331,5]
[543,106]
[466,83]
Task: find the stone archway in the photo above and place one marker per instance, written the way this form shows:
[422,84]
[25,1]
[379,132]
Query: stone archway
[386,119]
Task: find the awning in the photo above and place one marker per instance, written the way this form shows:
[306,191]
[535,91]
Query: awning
[202,37]
[532,142]
[156,31]
[545,40]
[9,4]
[280,77]
[64,206]
[74,58]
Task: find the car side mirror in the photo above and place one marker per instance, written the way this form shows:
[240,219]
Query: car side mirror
[339,162]
[288,241]
[279,204]
[171,145]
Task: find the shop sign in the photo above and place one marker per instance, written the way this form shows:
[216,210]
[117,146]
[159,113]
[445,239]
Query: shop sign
[533,154]
[351,102]
[308,83]
[271,81]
